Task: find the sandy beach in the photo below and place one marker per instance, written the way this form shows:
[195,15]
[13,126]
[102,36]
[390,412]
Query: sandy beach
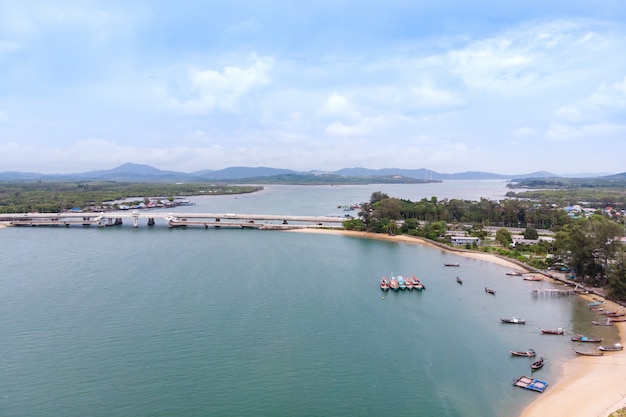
[589,386]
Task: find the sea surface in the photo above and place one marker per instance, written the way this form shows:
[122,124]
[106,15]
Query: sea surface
[154,321]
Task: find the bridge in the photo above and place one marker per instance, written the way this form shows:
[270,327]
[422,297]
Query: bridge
[206,220]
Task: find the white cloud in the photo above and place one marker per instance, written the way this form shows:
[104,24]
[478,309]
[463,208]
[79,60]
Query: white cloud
[212,90]
[524,131]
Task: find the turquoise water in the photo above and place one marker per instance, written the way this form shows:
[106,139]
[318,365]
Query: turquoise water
[195,322]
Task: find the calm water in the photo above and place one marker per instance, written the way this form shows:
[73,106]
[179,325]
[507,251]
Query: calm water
[195,322]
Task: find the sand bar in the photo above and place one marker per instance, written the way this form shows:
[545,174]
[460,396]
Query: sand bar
[588,386]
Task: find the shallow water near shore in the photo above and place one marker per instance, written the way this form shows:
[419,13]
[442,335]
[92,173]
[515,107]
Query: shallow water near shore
[157,321]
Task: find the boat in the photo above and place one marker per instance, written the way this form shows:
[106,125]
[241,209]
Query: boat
[558,331]
[617,320]
[527,353]
[459,280]
[581,338]
[417,283]
[490,290]
[613,348]
[613,314]
[580,352]
[384,284]
[513,320]
[530,384]
[401,283]
[538,364]
[602,323]
[594,303]
[393,284]
[409,283]
[452,264]
[532,278]
[514,273]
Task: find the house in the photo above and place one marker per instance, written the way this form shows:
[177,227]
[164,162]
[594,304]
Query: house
[465,240]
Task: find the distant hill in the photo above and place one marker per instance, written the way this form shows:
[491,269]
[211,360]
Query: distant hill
[131,172]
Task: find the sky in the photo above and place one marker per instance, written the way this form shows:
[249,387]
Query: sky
[509,87]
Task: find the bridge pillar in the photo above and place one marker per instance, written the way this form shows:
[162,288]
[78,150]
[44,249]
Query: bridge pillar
[135,222]
[151,221]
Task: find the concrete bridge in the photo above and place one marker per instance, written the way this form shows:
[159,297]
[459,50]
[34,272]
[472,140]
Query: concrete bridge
[206,220]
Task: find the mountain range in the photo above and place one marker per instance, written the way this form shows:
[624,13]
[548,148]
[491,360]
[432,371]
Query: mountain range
[146,173]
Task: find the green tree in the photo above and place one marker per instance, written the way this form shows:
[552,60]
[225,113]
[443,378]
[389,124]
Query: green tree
[531,234]
[504,237]
[616,275]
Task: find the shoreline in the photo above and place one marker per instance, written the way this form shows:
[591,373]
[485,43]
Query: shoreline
[587,386]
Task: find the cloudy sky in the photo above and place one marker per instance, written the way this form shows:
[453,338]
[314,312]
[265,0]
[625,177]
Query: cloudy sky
[510,86]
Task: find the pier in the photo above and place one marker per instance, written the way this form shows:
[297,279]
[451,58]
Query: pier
[206,220]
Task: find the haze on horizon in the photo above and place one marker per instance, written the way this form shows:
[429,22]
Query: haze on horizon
[508,87]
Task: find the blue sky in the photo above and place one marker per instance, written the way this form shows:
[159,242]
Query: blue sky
[499,86]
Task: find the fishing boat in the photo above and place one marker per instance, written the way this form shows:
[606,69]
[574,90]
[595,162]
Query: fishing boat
[513,320]
[558,331]
[526,353]
[602,323]
[583,353]
[613,348]
[459,280]
[594,303]
[581,338]
[538,364]
[408,282]
[417,283]
[384,284]
[393,284]
[490,291]
[514,273]
[532,278]
[452,264]
[401,283]
[613,314]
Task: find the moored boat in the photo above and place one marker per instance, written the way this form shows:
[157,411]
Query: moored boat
[594,303]
[558,331]
[538,364]
[417,283]
[532,278]
[581,338]
[452,264]
[602,323]
[514,273]
[401,283]
[527,353]
[513,320]
[583,353]
[393,284]
[613,348]
[490,291]
[459,280]
[384,284]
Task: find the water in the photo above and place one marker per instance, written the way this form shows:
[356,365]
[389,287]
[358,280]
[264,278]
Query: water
[195,322]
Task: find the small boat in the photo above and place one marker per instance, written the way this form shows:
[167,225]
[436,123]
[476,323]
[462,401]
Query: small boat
[613,348]
[558,331]
[417,284]
[401,283]
[514,273]
[532,278]
[409,283]
[602,323]
[452,264]
[490,291]
[538,364]
[613,314]
[530,384]
[617,320]
[580,352]
[526,353]
[581,338]
[393,284]
[459,280]
[594,303]
[384,284]
[513,320]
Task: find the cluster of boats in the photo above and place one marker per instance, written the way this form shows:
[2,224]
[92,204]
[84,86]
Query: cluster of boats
[401,283]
